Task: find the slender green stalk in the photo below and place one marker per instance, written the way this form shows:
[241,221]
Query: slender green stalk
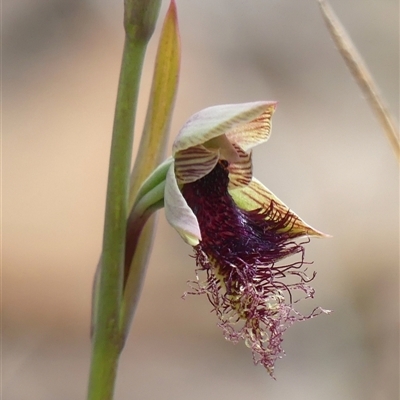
[139,20]
[106,338]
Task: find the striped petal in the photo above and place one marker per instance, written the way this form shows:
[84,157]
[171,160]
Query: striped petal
[194,163]
[254,132]
[241,171]
[237,119]
[178,213]
[256,196]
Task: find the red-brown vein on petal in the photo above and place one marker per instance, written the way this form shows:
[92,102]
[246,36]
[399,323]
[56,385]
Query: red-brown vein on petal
[194,133]
[254,132]
[240,172]
[297,226]
[256,200]
[194,163]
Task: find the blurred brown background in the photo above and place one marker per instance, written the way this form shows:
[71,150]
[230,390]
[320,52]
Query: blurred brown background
[327,159]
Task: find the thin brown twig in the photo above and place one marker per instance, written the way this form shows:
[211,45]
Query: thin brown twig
[361,74]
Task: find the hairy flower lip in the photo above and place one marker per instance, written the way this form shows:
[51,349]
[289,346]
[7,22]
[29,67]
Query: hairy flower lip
[240,231]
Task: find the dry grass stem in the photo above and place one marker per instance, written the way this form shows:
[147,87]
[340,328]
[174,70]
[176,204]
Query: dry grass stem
[360,72]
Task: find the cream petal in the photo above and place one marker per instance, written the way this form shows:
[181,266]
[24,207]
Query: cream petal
[215,121]
[178,213]
[240,172]
[254,132]
[194,163]
[257,196]
[227,150]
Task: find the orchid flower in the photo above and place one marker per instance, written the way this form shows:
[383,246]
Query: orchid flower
[239,230]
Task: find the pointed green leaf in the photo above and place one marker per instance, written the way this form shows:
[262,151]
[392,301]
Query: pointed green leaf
[161,103]
[150,154]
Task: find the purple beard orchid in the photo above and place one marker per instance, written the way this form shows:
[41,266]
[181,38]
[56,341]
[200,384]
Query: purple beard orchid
[240,231]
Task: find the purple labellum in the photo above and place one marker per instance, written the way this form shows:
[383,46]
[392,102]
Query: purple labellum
[241,253]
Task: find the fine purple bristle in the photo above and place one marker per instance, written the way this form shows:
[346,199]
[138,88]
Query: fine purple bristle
[241,253]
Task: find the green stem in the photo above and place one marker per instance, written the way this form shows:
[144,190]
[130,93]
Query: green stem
[106,340]
[103,373]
